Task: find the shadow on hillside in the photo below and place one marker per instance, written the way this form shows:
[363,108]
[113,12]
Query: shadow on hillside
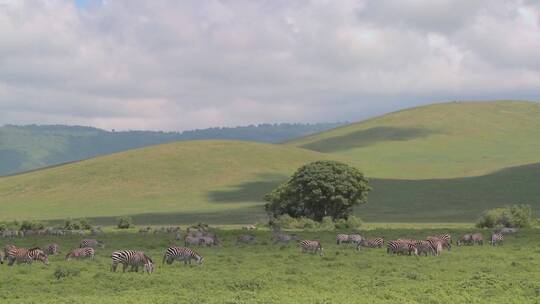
[451,200]
[366,138]
[249,191]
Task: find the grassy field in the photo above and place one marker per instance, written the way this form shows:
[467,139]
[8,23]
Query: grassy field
[448,140]
[268,273]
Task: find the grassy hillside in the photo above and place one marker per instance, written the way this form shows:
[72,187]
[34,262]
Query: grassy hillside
[446,140]
[24,148]
[171,178]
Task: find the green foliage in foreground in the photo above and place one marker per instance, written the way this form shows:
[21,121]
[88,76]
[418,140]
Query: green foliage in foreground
[516,216]
[268,273]
[319,189]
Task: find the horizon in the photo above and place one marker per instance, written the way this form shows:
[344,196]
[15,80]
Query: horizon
[129,65]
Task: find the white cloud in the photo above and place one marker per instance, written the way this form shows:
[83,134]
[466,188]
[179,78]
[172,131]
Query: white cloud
[189,64]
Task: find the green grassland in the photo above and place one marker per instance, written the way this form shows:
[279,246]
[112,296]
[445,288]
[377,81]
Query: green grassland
[268,273]
[445,140]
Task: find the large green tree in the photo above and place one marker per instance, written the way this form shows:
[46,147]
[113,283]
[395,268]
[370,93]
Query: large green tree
[319,189]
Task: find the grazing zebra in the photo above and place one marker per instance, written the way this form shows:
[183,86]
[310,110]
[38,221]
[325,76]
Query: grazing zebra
[81,253]
[425,247]
[192,240]
[355,238]
[208,241]
[496,238]
[477,238]
[91,243]
[181,254]
[284,238]
[26,256]
[436,245]
[371,243]
[312,246]
[465,239]
[52,249]
[132,258]
[246,239]
[6,248]
[401,247]
[446,240]
[342,238]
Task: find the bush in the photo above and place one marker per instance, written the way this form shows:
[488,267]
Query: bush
[31,225]
[352,222]
[125,222]
[63,272]
[77,224]
[14,225]
[514,216]
[327,223]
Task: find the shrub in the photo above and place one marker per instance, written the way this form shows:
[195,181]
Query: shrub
[77,224]
[327,223]
[31,225]
[14,225]
[63,272]
[352,222]
[514,216]
[125,222]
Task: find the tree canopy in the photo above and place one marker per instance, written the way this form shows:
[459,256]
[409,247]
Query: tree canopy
[319,189]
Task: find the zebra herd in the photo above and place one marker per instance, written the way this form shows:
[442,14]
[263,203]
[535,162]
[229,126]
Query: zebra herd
[432,245]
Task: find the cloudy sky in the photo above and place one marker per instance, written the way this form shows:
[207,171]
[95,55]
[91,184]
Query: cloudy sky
[176,65]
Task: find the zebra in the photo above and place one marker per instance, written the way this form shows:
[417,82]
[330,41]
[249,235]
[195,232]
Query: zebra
[401,247]
[284,238]
[371,243]
[81,253]
[91,243]
[181,254]
[496,238]
[52,249]
[246,239]
[425,247]
[208,241]
[355,238]
[6,248]
[132,258]
[465,239]
[26,256]
[477,238]
[312,246]
[191,240]
[342,238]
[436,245]
[446,240]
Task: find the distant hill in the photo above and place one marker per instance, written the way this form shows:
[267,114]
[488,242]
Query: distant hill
[24,148]
[438,163]
[447,140]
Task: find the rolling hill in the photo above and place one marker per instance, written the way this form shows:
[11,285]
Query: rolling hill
[438,163]
[169,178]
[24,148]
[447,140]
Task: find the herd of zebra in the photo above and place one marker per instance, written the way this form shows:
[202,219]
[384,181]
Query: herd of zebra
[433,245]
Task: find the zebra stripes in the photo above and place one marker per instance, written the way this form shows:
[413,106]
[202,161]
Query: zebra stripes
[496,239]
[371,243]
[132,258]
[52,249]
[401,247]
[81,253]
[26,256]
[91,243]
[446,240]
[342,238]
[312,247]
[183,254]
